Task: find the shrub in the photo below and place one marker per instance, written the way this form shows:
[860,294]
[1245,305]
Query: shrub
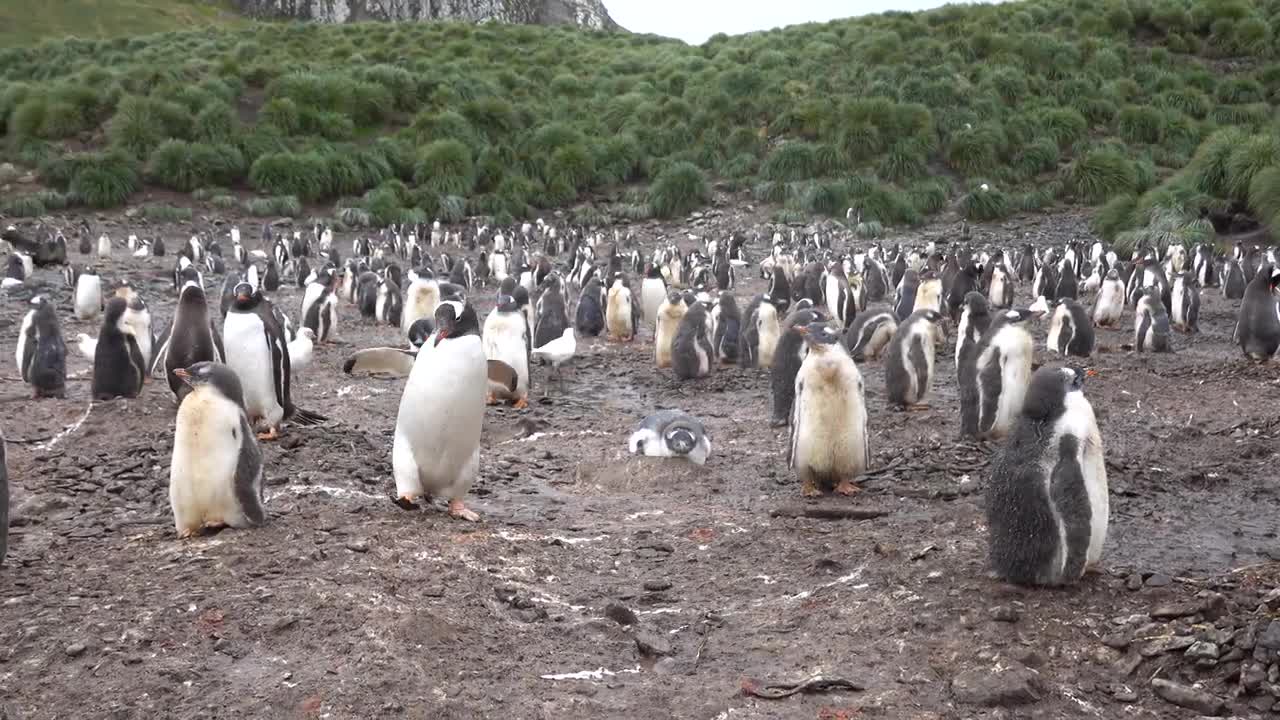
[1116,215]
[1041,155]
[281,206]
[974,151]
[1064,126]
[303,175]
[572,164]
[617,160]
[1248,159]
[929,196]
[445,167]
[679,189]
[216,123]
[25,206]
[182,166]
[166,213]
[1101,175]
[141,124]
[1264,195]
[1140,124]
[1208,169]
[104,187]
[984,202]
[791,161]
[904,160]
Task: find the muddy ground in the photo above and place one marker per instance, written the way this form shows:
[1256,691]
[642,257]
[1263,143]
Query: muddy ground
[599,585]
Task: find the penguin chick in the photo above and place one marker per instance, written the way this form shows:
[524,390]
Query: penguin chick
[993,386]
[215,476]
[1046,502]
[621,311]
[301,349]
[41,352]
[118,366]
[1070,330]
[670,314]
[760,334]
[673,434]
[829,445]
[869,334]
[590,316]
[88,296]
[909,359]
[1185,296]
[692,354]
[728,329]
[1151,323]
[789,356]
[975,318]
[1109,305]
[1258,324]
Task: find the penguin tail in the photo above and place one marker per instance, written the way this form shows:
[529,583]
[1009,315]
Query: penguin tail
[307,417]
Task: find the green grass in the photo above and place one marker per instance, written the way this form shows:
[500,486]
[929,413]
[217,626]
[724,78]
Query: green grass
[900,116]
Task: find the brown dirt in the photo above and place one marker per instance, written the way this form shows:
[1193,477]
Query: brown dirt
[344,606]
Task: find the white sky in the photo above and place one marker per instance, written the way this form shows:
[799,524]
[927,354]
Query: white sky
[696,20]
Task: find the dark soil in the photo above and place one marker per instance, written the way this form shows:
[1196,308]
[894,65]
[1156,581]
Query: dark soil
[600,585]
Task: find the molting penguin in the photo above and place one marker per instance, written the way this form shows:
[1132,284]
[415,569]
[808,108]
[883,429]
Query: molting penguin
[42,353]
[1046,502]
[138,318]
[89,301]
[787,359]
[870,334]
[389,305]
[319,305]
[728,329]
[1109,305]
[909,359]
[670,314]
[975,318]
[692,355]
[993,386]
[904,299]
[780,290]
[1151,323]
[622,313]
[193,338]
[506,338]
[589,316]
[118,366]
[830,443]
[1185,299]
[1070,330]
[672,434]
[962,284]
[258,351]
[421,298]
[449,380]
[1233,280]
[928,292]
[215,476]
[1258,325]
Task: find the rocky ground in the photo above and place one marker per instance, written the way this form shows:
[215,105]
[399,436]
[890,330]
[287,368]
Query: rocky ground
[601,585]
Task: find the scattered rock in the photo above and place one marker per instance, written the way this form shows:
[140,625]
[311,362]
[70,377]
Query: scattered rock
[621,614]
[1124,694]
[657,585]
[1188,697]
[1133,582]
[1270,637]
[358,546]
[1159,580]
[1175,610]
[1116,641]
[1252,675]
[1005,613]
[1166,644]
[652,644]
[1010,688]
[75,649]
[1202,650]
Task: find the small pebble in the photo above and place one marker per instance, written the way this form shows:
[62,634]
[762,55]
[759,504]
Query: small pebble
[75,649]
[358,546]
[657,585]
[1159,580]
[1125,694]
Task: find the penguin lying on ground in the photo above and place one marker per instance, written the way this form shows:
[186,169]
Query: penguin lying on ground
[1070,330]
[829,445]
[870,334]
[215,476]
[673,434]
[1046,501]
[41,352]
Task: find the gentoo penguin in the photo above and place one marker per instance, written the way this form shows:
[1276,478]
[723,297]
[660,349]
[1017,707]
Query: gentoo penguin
[787,359]
[841,303]
[589,316]
[1185,297]
[622,314]
[670,313]
[692,354]
[506,338]
[138,318]
[829,445]
[975,318]
[1066,286]
[104,246]
[271,278]
[993,386]
[193,338]
[760,334]
[301,350]
[215,476]
[42,353]
[909,359]
[1258,324]
[964,282]
[449,380]
[905,295]
[671,434]
[4,503]
[728,329]
[367,294]
[869,335]
[15,273]
[319,306]
[1046,501]
[118,366]
[1109,305]
[389,305]
[929,292]
[421,298]
[88,302]
[653,292]
[780,290]
[1233,280]
[1070,330]
[1151,323]
[1000,291]
[551,315]
[258,351]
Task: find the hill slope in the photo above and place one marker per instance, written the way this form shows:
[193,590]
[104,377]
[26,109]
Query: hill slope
[1161,112]
[25,22]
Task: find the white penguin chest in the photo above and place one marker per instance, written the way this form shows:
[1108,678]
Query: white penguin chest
[245,340]
[206,450]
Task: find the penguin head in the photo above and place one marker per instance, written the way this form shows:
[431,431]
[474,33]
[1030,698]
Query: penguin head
[455,318]
[690,298]
[507,304]
[213,375]
[420,330]
[246,296]
[976,303]
[674,297]
[680,440]
[1275,279]
[818,333]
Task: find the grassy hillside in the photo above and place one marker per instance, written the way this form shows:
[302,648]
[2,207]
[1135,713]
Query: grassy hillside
[27,22]
[1153,109]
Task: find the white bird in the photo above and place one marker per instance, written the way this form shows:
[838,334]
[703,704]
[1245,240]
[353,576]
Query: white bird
[558,351]
[300,349]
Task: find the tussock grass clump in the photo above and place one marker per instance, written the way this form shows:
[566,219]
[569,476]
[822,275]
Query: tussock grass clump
[1140,124]
[279,206]
[166,213]
[1101,175]
[183,166]
[24,206]
[1264,195]
[974,151]
[984,202]
[302,175]
[680,189]
[141,124]
[445,167]
[99,180]
[1247,160]
[1113,217]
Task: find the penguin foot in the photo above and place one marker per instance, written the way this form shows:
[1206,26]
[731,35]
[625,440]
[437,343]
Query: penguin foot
[405,502]
[271,434]
[186,534]
[490,399]
[521,403]
[847,487]
[460,511]
[810,489]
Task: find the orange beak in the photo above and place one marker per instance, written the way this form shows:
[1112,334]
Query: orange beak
[1090,373]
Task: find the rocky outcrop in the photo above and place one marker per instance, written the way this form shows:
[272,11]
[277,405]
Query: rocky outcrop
[583,13]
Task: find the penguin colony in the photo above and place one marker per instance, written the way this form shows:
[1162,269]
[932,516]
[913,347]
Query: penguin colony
[814,331]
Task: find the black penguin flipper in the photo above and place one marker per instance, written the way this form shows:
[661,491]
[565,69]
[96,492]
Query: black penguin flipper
[279,368]
[1066,334]
[137,365]
[160,355]
[991,381]
[1144,328]
[968,381]
[248,477]
[1069,496]
[392,360]
[919,364]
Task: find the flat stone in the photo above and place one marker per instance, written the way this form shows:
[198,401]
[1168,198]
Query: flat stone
[1159,580]
[75,649]
[657,585]
[1133,582]
[1005,613]
[1203,650]
[1175,610]
[1270,637]
[1188,697]
[1166,644]
[652,644]
[1124,694]
[621,614]
[358,546]
[1010,688]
